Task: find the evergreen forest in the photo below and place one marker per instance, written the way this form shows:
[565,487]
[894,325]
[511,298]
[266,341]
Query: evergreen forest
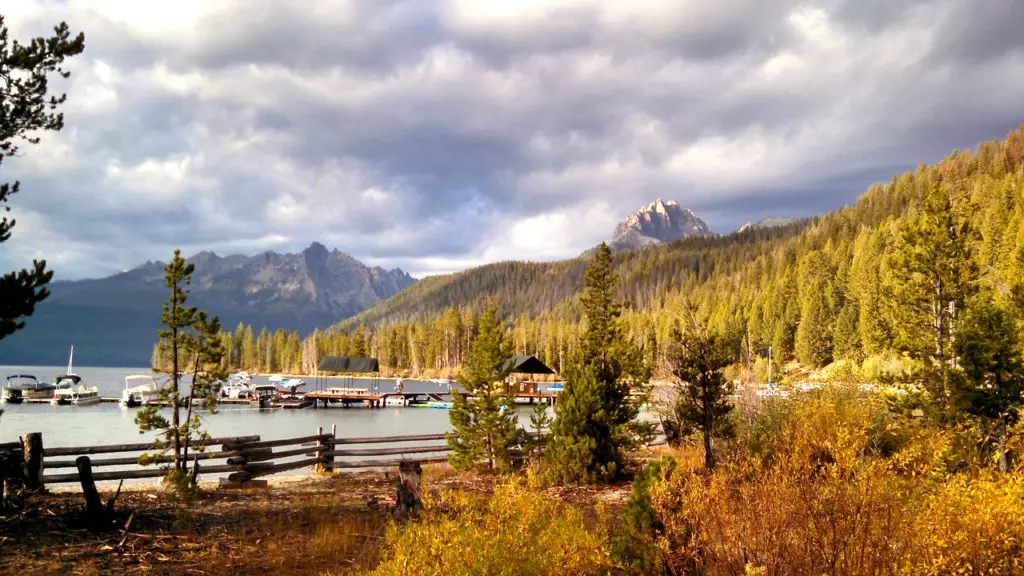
[853,288]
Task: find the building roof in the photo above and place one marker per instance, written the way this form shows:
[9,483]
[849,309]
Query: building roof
[348,364]
[525,365]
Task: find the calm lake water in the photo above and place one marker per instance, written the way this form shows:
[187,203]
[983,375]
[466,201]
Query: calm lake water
[108,423]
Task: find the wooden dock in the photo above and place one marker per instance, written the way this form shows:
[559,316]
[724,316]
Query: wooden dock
[325,398]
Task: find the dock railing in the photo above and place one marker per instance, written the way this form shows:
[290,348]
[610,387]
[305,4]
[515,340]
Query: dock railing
[236,460]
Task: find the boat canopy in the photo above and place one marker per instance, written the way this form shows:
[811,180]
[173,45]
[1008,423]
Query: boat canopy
[348,364]
[75,378]
[525,365]
[139,378]
[22,377]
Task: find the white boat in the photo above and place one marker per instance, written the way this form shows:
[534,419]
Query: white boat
[238,386]
[139,390]
[21,387]
[70,390]
[290,387]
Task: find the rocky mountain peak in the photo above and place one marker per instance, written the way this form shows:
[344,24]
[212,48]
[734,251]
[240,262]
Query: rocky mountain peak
[658,222]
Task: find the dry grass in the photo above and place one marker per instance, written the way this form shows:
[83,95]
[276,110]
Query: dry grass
[309,527]
[326,525]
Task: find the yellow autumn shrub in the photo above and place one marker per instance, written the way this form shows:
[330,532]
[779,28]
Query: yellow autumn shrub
[831,483]
[515,531]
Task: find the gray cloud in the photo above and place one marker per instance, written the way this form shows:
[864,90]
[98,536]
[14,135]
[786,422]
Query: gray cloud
[438,135]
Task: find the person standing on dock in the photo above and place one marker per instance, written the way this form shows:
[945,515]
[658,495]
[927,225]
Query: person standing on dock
[399,385]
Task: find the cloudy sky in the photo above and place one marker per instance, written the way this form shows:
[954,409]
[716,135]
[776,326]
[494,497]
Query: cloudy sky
[439,135]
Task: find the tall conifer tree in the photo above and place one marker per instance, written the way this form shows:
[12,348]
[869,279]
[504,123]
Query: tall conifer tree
[932,274]
[484,425]
[592,416]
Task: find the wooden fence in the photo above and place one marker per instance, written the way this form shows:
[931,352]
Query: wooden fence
[237,459]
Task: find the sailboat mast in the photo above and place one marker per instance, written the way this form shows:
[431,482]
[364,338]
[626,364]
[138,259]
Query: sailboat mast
[70,358]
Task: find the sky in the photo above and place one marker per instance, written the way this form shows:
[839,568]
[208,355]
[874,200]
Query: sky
[440,135]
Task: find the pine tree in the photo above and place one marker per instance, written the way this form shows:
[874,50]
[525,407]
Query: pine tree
[25,112]
[594,412]
[814,333]
[932,275]
[698,360]
[990,386]
[484,425]
[176,322]
[193,344]
[359,341]
[206,348]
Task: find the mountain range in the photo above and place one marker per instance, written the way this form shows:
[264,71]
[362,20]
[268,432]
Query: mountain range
[112,321]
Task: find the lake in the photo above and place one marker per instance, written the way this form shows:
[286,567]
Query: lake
[108,423]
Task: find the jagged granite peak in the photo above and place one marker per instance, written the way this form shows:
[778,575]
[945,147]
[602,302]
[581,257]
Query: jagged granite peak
[658,222]
[766,222]
[312,289]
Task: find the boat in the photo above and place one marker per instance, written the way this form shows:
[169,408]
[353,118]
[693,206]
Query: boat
[68,388]
[556,387]
[432,404]
[287,387]
[238,386]
[140,390]
[263,395]
[21,387]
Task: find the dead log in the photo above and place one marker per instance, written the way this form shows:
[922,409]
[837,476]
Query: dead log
[93,507]
[32,451]
[408,500]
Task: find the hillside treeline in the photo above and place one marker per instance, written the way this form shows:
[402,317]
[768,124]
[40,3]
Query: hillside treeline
[816,291]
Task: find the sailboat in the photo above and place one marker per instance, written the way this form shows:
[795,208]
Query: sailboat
[70,390]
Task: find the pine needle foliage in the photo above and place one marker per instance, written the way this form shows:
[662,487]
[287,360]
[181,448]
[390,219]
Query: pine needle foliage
[484,425]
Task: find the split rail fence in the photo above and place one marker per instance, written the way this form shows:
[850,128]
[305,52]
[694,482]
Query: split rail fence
[236,460]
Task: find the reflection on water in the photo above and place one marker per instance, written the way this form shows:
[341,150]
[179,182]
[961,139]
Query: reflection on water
[110,424]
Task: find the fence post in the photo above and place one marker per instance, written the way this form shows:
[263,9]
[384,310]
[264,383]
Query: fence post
[328,460]
[32,451]
[320,458]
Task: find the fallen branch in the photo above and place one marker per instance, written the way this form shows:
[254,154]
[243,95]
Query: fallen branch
[127,526]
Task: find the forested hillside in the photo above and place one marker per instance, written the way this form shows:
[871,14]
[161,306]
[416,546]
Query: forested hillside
[816,291]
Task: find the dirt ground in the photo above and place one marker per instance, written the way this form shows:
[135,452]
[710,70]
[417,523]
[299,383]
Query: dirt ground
[318,525]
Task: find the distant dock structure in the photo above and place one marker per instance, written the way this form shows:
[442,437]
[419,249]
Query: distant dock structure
[348,367]
[371,396]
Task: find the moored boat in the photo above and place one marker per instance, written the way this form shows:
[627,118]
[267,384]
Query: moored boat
[139,390]
[263,395]
[21,387]
[238,386]
[70,390]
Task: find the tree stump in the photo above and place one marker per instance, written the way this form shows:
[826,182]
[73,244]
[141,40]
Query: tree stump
[11,475]
[32,450]
[100,516]
[93,506]
[408,500]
